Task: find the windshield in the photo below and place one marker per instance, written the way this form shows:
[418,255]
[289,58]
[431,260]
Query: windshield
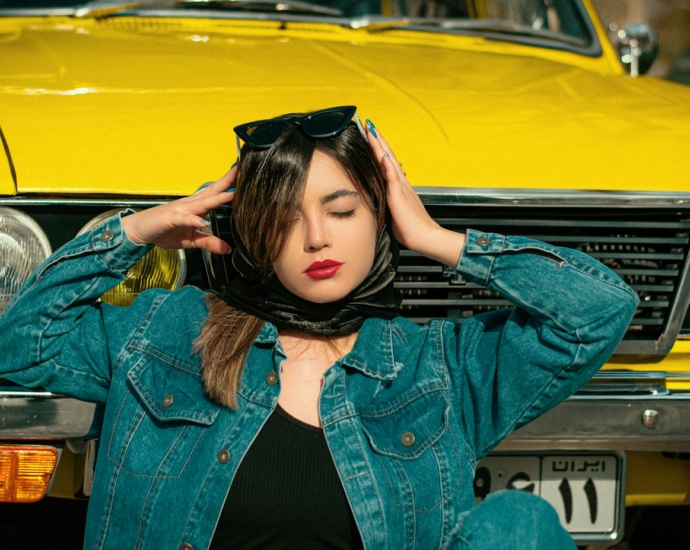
[542,21]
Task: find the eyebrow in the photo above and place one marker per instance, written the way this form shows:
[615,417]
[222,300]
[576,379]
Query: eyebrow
[337,194]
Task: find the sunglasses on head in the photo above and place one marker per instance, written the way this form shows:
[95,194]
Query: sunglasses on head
[261,134]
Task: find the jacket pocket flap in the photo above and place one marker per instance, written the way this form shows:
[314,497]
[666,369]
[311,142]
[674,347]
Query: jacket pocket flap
[172,392]
[406,430]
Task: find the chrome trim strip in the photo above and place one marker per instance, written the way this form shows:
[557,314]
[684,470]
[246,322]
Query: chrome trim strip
[35,12]
[496,196]
[461,196]
[46,416]
[607,423]
[678,311]
[114,202]
[184,13]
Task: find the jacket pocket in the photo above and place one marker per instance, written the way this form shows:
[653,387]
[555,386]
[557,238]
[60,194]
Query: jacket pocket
[415,445]
[161,419]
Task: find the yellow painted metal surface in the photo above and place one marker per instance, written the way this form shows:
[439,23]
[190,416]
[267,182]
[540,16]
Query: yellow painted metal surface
[6,183]
[6,179]
[147,105]
[69,476]
[677,361]
[654,480]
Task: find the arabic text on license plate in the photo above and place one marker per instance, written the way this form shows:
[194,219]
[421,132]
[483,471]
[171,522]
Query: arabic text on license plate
[584,489]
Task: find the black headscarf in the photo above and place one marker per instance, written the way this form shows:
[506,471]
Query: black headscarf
[249,291]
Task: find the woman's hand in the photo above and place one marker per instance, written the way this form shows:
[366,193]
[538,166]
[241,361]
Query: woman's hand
[176,223]
[412,225]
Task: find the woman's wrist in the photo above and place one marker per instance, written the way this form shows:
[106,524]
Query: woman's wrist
[442,245]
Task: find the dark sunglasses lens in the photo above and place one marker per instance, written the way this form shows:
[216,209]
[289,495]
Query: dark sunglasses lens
[264,134]
[326,124]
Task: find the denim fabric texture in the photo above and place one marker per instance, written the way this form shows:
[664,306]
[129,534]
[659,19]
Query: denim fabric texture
[406,414]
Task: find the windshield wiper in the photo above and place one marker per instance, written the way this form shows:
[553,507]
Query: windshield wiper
[498,26]
[273,5]
[105,8]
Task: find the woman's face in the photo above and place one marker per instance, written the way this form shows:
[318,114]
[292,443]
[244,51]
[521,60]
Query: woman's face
[330,248]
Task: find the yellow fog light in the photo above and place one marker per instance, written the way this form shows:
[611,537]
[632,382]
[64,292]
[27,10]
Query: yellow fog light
[26,472]
[160,268]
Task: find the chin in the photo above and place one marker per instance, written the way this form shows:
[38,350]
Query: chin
[323,297]
[322,292]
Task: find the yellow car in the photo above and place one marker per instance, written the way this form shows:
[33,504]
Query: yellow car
[514,116]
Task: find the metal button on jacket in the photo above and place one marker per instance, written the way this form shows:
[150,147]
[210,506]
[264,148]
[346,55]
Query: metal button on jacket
[186,546]
[107,236]
[483,241]
[272,378]
[407,439]
[168,400]
[224,456]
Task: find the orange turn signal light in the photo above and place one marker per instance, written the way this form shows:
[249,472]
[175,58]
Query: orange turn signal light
[26,472]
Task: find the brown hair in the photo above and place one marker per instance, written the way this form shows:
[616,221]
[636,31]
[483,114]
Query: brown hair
[270,185]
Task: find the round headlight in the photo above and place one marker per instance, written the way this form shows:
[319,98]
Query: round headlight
[160,268]
[23,246]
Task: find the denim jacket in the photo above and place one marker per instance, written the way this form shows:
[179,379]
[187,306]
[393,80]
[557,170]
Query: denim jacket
[406,414]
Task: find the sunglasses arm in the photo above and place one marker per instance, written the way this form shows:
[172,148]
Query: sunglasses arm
[359,125]
[239,149]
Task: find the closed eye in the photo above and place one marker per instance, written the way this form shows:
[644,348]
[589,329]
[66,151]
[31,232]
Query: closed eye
[343,215]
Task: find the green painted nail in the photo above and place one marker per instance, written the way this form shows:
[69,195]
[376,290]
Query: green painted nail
[372,128]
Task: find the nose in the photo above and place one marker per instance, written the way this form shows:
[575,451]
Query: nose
[316,234]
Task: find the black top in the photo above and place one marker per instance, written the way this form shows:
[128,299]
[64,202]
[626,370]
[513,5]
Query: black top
[287,494]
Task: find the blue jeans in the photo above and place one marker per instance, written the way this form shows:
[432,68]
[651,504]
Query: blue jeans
[512,520]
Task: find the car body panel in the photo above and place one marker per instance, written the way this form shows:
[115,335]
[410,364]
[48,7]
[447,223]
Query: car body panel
[6,175]
[676,362]
[477,113]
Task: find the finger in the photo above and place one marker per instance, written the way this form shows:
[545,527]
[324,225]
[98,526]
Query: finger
[392,174]
[380,146]
[376,146]
[185,220]
[203,204]
[211,243]
[221,185]
[227,181]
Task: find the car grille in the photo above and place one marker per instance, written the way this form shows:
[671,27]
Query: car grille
[647,248]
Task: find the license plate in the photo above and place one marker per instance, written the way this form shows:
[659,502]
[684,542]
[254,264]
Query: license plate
[585,489]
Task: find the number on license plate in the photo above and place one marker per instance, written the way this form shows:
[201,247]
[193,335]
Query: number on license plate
[584,489]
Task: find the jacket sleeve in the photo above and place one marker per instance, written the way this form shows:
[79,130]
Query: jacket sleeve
[55,333]
[507,367]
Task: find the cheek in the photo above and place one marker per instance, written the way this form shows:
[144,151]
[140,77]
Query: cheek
[364,249]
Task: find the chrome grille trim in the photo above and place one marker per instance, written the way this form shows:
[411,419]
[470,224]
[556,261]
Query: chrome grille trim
[473,196]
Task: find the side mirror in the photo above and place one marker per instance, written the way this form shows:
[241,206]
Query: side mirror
[637,48]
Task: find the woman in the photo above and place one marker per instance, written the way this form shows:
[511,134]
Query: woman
[297,410]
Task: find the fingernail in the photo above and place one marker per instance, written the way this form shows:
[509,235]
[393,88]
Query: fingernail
[231,190]
[233,165]
[372,128]
[206,222]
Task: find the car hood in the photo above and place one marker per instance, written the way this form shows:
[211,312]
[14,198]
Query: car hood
[146,106]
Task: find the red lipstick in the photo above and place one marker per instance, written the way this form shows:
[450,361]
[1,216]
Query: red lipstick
[323,269]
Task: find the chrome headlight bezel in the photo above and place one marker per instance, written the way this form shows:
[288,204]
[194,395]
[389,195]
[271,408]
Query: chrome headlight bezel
[41,243]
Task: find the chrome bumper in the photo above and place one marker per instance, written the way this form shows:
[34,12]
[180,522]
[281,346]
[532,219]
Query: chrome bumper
[581,422]
[609,423]
[30,414]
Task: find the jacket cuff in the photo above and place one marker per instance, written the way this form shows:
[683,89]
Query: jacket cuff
[478,255]
[114,246]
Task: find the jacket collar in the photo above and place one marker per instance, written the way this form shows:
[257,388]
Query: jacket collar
[372,353]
